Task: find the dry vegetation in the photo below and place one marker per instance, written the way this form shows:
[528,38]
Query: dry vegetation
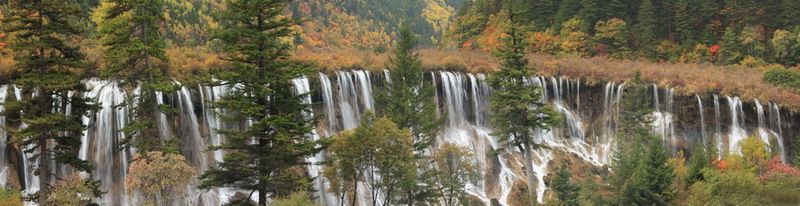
[687,78]
[190,63]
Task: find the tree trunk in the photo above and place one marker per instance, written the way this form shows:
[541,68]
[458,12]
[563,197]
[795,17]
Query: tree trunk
[262,197]
[529,171]
[44,171]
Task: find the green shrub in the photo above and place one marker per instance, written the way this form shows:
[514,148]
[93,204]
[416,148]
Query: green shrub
[301,198]
[782,77]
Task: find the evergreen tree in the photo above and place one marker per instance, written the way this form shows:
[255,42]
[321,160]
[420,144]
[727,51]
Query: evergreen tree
[409,103]
[49,71]
[701,159]
[646,26]
[260,155]
[692,18]
[408,100]
[789,15]
[567,9]
[542,13]
[132,33]
[566,191]
[518,107]
[618,9]
[731,48]
[650,183]
[641,173]
[591,12]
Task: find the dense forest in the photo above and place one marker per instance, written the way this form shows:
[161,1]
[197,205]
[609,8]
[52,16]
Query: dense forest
[399,102]
[714,31]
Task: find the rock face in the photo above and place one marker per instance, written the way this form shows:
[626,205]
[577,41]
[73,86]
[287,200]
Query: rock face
[587,135]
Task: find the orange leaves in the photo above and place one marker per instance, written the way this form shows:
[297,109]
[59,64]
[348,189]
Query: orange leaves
[721,165]
[2,40]
[777,171]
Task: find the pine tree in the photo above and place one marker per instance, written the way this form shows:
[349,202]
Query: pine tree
[260,155]
[618,9]
[646,25]
[701,158]
[132,33]
[567,10]
[566,191]
[542,13]
[517,106]
[591,12]
[691,19]
[409,103]
[49,71]
[641,173]
[731,48]
[650,183]
[408,100]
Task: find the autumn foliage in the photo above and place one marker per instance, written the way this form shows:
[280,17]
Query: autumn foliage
[158,177]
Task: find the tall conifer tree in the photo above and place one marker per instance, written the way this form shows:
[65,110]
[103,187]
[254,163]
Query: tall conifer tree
[409,103]
[132,33]
[408,100]
[518,107]
[260,155]
[49,71]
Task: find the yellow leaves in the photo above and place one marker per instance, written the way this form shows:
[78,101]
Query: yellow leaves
[158,176]
[573,40]
[437,13]
[74,190]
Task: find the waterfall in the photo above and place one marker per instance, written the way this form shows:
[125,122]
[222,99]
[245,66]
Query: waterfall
[718,134]
[702,120]
[3,137]
[327,101]
[737,128]
[209,95]
[612,97]
[102,141]
[762,131]
[194,147]
[302,87]
[766,133]
[454,93]
[588,134]
[663,120]
[348,101]
[775,114]
[363,80]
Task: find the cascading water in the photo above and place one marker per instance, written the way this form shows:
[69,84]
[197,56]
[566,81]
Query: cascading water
[327,101]
[663,121]
[588,130]
[765,133]
[737,128]
[3,136]
[718,135]
[702,119]
[302,87]
[102,140]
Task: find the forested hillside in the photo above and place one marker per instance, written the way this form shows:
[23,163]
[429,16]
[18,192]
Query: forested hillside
[713,31]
